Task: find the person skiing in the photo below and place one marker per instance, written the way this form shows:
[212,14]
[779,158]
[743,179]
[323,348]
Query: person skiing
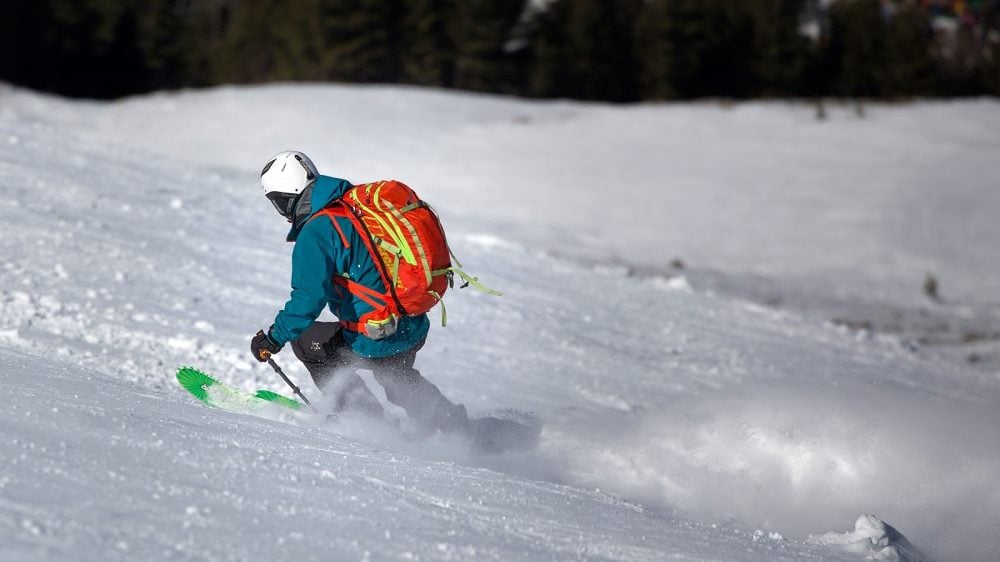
[327,248]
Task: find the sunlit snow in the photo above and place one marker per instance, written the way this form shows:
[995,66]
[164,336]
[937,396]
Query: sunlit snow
[683,285]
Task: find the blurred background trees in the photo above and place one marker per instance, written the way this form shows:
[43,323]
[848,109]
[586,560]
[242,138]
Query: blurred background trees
[612,50]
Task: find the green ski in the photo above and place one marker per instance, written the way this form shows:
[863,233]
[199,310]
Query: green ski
[225,397]
[497,433]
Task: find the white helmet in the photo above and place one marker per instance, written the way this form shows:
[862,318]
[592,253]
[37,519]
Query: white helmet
[284,177]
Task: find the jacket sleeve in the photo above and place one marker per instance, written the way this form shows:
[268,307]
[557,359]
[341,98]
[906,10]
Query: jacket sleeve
[312,275]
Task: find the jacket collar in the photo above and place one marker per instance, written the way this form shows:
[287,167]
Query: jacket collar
[314,198]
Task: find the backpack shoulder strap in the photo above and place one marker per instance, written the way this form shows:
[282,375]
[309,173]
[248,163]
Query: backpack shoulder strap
[333,211]
[339,209]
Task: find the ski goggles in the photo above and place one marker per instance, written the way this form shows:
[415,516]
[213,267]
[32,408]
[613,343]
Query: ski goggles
[283,202]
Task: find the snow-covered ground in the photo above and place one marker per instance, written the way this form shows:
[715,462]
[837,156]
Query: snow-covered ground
[711,412]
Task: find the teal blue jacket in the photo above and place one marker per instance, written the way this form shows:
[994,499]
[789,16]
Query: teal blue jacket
[318,256]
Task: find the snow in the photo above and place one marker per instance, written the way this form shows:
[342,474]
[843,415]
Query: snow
[717,407]
[875,539]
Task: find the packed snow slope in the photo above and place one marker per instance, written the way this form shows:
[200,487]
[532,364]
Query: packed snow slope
[681,420]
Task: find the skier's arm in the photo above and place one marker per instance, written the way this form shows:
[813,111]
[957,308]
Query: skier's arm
[312,275]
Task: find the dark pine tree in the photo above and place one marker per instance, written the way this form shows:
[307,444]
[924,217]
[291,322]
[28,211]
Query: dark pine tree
[909,68]
[363,39]
[655,51]
[427,50]
[778,51]
[269,40]
[77,48]
[585,49]
[857,44]
[712,48]
[480,31]
[543,69]
[600,48]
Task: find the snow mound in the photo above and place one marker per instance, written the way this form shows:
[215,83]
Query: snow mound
[876,540]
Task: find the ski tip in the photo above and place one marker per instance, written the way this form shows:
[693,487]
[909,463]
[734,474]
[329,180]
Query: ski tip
[195,381]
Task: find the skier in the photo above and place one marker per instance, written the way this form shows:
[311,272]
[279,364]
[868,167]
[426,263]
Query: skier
[325,248]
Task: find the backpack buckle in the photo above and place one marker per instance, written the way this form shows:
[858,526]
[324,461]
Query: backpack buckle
[378,329]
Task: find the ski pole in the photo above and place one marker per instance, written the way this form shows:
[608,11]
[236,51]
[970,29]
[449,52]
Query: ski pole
[295,389]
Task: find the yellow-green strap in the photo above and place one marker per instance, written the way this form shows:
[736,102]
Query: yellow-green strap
[424,264]
[444,311]
[474,281]
[396,253]
[387,245]
[390,228]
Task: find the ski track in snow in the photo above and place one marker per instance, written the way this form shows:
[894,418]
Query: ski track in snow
[677,421]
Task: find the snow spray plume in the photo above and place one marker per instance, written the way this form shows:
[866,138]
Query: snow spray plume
[803,458]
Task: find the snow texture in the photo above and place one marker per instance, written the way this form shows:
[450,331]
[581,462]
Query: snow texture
[723,408]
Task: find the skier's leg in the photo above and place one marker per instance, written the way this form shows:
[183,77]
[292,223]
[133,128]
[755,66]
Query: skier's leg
[407,388]
[316,350]
[327,357]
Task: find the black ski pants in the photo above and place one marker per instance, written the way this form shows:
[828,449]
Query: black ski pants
[333,367]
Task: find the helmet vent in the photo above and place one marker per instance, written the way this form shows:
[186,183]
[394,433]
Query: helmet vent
[267,167]
[309,174]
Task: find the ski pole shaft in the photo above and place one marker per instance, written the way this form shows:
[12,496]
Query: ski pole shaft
[288,381]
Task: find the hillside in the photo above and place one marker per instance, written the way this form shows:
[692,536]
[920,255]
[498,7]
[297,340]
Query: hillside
[709,412]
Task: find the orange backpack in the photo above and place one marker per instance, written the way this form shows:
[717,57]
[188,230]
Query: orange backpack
[410,251]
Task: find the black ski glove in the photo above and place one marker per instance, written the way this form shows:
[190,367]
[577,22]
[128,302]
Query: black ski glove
[262,346]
